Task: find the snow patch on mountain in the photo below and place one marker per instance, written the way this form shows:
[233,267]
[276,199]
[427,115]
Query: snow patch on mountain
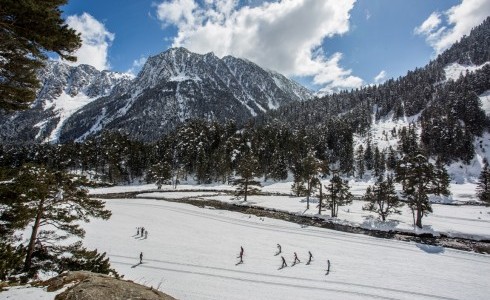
[455,70]
[64,107]
[485,102]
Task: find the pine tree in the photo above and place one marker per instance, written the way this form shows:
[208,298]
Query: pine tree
[83,259]
[382,198]
[441,179]
[483,187]
[418,179]
[360,162]
[29,29]
[247,170]
[368,156]
[337,194]
[160,173]
[51,199]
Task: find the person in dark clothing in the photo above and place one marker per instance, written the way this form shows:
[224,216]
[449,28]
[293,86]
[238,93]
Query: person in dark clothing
[241,255]
[278,249]
[142,231]
[296,259]
[328,267]
[309,259]
[137,231]
[141,257]
[284,264]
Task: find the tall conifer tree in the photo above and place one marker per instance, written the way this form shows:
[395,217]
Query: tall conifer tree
[29,28]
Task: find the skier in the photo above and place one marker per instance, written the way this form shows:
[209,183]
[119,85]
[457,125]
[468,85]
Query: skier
[146,234]
[284,264]
[296,259]
[241,255]
[278,249]
[309,259]
[328,267]
[142,231]
[141,257]
[137,231]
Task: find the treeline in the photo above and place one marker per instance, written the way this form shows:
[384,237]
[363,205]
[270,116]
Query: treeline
[210,152]
[451,112]
[207,150]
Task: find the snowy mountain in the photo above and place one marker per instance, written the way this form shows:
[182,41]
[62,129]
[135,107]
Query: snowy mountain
[64,90]
[447,102]
[172,87]
[178,85]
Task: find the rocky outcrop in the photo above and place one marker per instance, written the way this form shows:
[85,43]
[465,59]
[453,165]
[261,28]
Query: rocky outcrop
[85,285]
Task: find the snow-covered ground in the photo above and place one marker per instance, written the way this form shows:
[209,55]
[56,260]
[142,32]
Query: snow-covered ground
[191,253]
[467,221]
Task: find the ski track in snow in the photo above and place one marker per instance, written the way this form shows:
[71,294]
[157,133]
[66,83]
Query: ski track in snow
[194,270]
[191,254]
[302,231]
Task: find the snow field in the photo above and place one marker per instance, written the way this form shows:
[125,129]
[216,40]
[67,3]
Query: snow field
[191,253]
[466,221]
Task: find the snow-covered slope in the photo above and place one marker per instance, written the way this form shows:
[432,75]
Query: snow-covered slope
[178,85]
[190,253]
[64,90]
[455,70]
[188,245]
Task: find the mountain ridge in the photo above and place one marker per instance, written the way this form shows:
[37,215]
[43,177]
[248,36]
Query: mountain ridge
[172,87]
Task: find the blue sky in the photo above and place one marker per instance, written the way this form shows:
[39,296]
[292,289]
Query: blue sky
[324,44]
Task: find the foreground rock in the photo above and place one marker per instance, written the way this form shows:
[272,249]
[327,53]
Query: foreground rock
[91,286]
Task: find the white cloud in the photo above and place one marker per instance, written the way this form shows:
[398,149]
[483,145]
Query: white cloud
[460,20]
[284,36]
[430,24]
[381,77]
[96,40]
[137,65]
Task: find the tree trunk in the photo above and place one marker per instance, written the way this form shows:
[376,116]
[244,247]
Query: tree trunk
[419,217]
[32,241]
[246,190]
[320,201]
[308,194]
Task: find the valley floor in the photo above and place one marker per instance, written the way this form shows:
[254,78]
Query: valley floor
[191,252]
[455,220]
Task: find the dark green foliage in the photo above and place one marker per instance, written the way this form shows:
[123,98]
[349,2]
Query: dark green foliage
[247,170]
[44,199]
[441,179]
[483,188]
[87,260]
[360,165]
[29,28]
[419,179]
[11,259]
[383,198]
[337,194]
[306,171]
[160,174]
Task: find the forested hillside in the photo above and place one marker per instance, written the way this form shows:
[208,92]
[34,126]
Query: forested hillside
[438,116]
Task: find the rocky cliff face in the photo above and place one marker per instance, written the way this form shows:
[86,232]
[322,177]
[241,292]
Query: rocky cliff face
[172,87]
[178,85]
[84,285]
[64,90]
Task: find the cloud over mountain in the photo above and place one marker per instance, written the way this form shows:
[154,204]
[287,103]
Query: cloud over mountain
[285,36]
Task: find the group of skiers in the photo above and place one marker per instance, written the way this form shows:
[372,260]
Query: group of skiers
[142,232]
[284,264]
